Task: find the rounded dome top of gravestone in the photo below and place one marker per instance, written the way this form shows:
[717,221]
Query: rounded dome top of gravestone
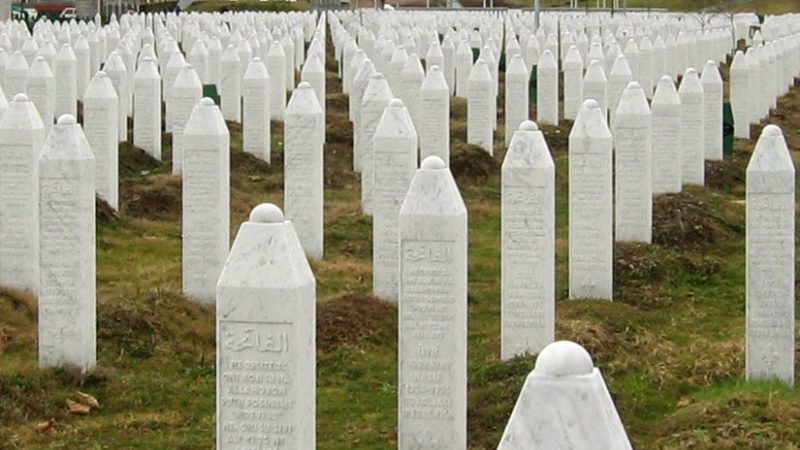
[528,125]
[20,98]
[432,162]
[266,213]
[768,131]
[67,119]
[563,358]
[395,103]
[206,101]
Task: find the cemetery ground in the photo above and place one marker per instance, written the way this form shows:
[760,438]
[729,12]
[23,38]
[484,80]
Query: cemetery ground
[671,345]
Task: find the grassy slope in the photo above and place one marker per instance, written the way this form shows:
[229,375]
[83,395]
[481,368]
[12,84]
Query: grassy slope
[671,346]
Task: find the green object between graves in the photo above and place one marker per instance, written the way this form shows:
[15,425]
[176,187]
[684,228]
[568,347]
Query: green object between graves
[727,129]
[210,91]
[532,86]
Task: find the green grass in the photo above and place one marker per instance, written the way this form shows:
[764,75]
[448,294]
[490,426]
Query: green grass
[670,346]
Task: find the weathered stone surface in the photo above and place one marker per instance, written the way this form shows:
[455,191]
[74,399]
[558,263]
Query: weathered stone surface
[147,108]
[434,116]
[479,107]
[666,126]
[256,133]
[100,122]
[517,101]
[692,129]
[187,90]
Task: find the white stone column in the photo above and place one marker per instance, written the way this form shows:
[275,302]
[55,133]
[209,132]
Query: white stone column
[740,95]
[83,64]
[115,68]
[256,133]
[573,83]
[647,76]
[432,384]
[528,244]
[313,73]
[479,107]
[100,122]
[618,80]
[564,404]
[376,98]
[463,69]
[633,198]
[276,66]
[170,73]
[517,101]
[770,260]
[198,58]
[206,200]
[230,85]
[411,78]
[595,85]
[147,108]
[666,137]
[547,89]
[692,129]
[303,169]
[266,329]
[434,116]
[67,291]
[186,92]
[21,139]
[712,111]
[41,89]
[360,82]
[66,82]
[590,210]
[15,79]
[394,164]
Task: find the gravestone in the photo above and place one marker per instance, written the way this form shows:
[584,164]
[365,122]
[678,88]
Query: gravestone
[666,126]
[528,244]
[171,71]
[618,80]
[374,101]
[266,357]
[394,164]
[410,81]
[41,89]
[187,91]
[547,89]
[198,58]
[517,106]
[740,94]
[100,116]
[564,404]
[355,65]
[83,65]
[256,133]
[770,259]
[314,74]
[590,210]
[115,68]
[303,168]
[432,384]
[595,85]
[573,83]
[647,75]
[21,139]
[206,200]
[463,69]
[276,67]
[230,86]
[692,129]
[479,107]
[712,111]
[434,116]
[67,271]
[147,108]
[633,198]
[67,82]
[360,82]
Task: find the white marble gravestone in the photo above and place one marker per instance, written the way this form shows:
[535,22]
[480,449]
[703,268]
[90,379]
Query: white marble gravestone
[147,108]
[618,80]
[463,69]
[740,94]
[528,244]
[595,85]
[198,58]
[410,81]
[230,85]
[770,259]
[186,92]
[100,117]
[41,89]
[517,101]
[15,79]
[21,139]
[360,82]
[666,135]
[692,129]
[394,160]
[173,67]
[276,67]
[712,111]
[590,209]
[67,292]
[564,404]
[83,65]
[547,89]
[303,168]
[573,83]
[647,76]
[479,107]
[115,68]
[206,200]
[66,66]
[434,116]
[256,133]
[432,384]
[633,198]
[266,335]
[374,101]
